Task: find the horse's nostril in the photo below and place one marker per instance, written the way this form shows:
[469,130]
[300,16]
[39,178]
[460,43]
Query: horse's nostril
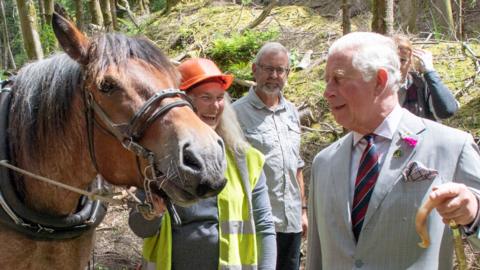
[202,189]
[189,158]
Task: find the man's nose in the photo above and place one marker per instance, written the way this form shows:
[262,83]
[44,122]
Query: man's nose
[329,91]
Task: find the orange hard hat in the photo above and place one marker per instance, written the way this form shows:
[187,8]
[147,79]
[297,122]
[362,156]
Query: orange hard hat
[196,70]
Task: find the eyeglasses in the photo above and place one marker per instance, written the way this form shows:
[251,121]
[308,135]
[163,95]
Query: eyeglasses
[280,70]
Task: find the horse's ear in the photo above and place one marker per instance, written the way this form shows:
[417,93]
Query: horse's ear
[73,41]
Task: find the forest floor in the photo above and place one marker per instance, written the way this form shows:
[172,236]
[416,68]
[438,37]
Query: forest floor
[190,30]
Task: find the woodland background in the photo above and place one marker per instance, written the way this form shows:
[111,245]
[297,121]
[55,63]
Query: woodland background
[231,32]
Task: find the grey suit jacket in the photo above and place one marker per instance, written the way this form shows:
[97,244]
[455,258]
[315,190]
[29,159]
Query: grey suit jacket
[388,239]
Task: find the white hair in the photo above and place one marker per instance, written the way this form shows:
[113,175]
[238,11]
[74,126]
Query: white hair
[370,52]
[229,129]
[271,47]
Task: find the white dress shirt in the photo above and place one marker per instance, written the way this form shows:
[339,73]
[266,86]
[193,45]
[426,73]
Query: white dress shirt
[384,135]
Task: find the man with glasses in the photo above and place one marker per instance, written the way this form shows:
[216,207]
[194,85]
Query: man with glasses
[271,124]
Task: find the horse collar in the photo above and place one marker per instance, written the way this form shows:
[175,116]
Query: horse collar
[17,216]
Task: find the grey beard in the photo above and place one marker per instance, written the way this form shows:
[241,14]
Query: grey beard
[268,90]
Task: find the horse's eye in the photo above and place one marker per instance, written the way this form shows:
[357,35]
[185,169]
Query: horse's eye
[108,87]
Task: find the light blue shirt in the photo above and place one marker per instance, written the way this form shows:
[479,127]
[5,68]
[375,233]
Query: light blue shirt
[276,133]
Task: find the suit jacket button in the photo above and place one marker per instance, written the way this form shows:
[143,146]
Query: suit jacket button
[358,263]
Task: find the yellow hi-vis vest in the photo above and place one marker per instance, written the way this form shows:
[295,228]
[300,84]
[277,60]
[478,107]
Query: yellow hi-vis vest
[237,240]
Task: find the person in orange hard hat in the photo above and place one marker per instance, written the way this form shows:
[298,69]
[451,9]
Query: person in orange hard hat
[233,230]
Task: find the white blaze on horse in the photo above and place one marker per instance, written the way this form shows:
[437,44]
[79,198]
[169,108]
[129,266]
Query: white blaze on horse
[109,106]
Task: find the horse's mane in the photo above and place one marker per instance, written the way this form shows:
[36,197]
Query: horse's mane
[44,90]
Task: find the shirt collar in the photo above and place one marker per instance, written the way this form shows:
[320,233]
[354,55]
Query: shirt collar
[258,103]
[387,128]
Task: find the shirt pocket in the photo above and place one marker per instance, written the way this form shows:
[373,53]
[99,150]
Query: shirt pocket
[294,136]
[262,138]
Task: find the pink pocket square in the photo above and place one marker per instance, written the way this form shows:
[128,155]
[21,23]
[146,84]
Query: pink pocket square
[416,171]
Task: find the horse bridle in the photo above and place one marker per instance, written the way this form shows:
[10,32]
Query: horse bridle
[130,133]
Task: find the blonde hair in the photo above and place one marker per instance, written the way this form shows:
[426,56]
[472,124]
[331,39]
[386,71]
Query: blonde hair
[229,129]
[403,42]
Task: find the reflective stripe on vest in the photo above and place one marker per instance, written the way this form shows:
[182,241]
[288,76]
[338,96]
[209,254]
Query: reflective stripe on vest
[237,240]
[238,267]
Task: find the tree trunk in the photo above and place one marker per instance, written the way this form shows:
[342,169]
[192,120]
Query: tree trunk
[28,25]
[346,26]
[49,8]
[79,14]
[96,12]
[460,21]
[107,15]
[382,21]
[113,9]
[9,61]
[443,17]
[41,10]
[408,11]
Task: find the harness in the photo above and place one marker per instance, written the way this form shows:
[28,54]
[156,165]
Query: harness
[130,133]
[17,216]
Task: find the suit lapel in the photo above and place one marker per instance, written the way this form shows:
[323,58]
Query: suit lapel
[396,159]
[341,179]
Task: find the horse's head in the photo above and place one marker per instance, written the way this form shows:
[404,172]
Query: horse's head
[123,79]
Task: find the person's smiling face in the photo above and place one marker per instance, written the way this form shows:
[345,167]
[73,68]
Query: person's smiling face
[208,98]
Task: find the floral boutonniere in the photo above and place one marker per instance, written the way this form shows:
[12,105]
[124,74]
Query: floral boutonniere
[410,141]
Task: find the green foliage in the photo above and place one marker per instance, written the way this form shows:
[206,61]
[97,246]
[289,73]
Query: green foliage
[48,39]
[239,47]
[2,77]
[157,5]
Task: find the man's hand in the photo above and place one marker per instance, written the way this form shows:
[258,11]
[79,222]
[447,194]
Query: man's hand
[159,207]
[455,202]
[304,223]
[426,60]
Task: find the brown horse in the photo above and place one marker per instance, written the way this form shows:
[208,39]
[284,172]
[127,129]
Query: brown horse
[75,113]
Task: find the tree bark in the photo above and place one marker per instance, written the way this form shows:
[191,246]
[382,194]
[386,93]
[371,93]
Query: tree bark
[28,25]
[79,14]
[41,10]
[49,8]
[96,12]
[443,17]
[408,11]
[346,25]
[107,15]
[113,9]
[461,21]
[9,61]
[382,21]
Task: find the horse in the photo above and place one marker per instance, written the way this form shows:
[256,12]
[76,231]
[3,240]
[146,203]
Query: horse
[108,106]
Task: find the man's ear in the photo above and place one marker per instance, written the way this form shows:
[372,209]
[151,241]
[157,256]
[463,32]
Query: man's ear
[382,80]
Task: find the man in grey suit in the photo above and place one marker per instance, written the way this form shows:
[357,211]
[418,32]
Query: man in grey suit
[365,188]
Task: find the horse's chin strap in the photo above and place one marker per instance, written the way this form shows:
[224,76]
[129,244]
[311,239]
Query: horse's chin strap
[129,133]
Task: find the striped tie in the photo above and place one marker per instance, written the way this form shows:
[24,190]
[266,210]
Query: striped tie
[364,183]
